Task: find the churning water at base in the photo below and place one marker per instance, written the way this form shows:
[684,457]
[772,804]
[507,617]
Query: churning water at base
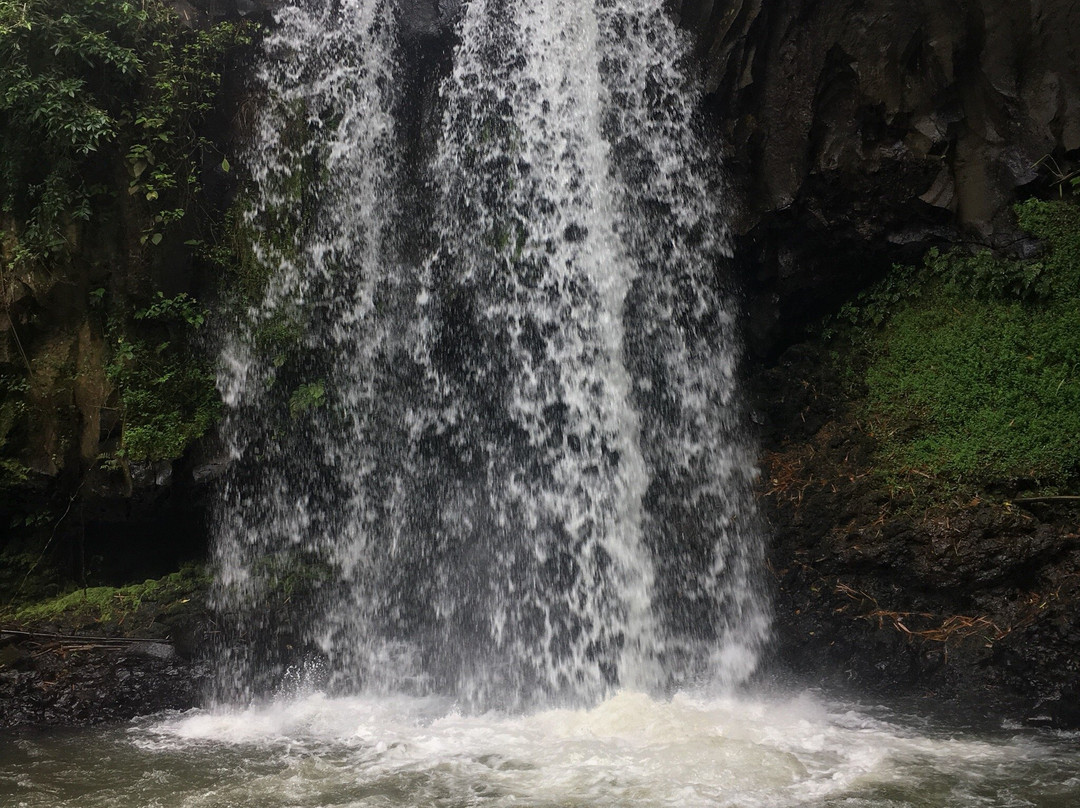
[630,750]
[491,450]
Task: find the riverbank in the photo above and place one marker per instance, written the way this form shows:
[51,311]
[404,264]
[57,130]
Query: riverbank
[105,654]
[903,586]
[966,607]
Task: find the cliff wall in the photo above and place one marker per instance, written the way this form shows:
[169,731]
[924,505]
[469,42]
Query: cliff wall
[858,135]
[861,132]
[855,134]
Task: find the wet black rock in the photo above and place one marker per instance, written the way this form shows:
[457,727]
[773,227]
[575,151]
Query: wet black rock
[861,132]
[78,683]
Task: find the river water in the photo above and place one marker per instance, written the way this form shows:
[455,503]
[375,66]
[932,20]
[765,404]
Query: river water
[630,750]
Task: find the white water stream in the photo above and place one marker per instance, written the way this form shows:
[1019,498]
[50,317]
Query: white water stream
[487,537]
[508,468]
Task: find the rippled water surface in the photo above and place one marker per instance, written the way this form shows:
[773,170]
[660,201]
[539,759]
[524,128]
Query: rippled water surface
[631,750]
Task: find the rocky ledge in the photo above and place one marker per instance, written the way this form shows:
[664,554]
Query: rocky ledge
[890,590]
[61,680]
[105,654]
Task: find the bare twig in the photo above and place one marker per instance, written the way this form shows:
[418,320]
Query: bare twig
[949,627]
[54,637]
[1023,500]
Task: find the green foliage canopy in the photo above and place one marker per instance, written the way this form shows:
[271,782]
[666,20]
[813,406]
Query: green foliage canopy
[85,79]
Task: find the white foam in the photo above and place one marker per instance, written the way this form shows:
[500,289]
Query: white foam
[631,749]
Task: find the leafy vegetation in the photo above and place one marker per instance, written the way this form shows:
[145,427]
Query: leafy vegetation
[102,149]
[307,397]
[92,86]
[105,110]
[971,363]
[12,409]
[167,395]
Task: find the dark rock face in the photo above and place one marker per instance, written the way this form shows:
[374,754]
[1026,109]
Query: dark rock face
[857,134]
[86,680]
[861,132]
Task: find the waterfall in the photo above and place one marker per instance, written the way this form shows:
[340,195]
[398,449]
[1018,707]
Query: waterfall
[508,466]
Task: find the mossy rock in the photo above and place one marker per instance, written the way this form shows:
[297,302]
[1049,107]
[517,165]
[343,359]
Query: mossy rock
[144,609]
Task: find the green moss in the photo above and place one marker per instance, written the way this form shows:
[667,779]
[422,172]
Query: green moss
[291,576]
[107,604]
[971,364]
[247,275]
[246,252]
[1058,223]
[993,386]
[279,335]
[166,407]
[257,238]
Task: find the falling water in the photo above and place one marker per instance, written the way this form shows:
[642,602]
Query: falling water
[511,470]
[301,504]
[488,500]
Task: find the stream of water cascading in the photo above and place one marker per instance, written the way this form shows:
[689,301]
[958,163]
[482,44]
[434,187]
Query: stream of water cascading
[311,456]
[514,471]
[488,480]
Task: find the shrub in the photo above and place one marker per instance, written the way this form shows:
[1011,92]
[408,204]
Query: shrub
[84,80]
[167,395]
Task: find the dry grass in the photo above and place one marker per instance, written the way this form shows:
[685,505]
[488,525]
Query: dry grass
[926,626]
[786,473]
